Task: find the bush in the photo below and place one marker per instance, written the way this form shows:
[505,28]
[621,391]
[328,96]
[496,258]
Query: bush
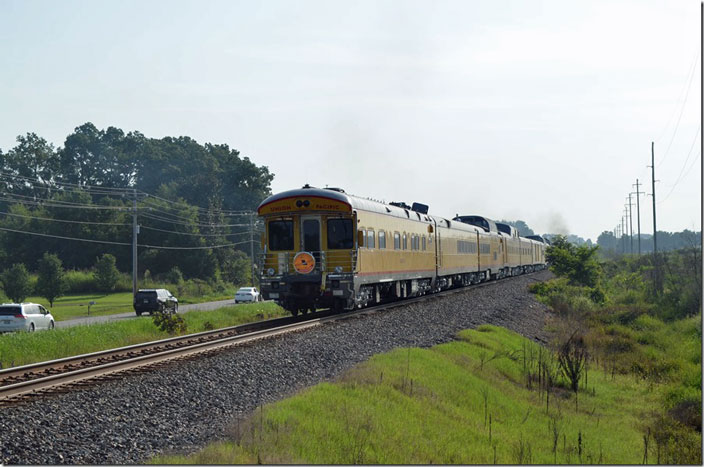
[106,273]
[174,276]
[169,322]
[577,263]
[79,282]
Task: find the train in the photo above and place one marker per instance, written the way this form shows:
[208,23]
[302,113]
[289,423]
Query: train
[324,248]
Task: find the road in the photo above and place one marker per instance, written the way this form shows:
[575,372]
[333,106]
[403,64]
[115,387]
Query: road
[122,316]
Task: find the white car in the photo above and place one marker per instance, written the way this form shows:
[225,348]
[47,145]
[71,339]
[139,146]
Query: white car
[24,317]
[247,294]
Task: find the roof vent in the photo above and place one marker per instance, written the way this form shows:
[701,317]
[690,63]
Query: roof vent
[339,190]
[421,208]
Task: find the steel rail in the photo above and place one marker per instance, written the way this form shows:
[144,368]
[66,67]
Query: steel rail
[34,370]
[13,391]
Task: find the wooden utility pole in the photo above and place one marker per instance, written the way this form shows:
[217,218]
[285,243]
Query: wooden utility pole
[637,185]
[630,219]
[251,244]
[135,232]
[658,285]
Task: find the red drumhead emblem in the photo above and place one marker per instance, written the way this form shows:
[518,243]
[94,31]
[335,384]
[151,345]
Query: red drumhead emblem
[303,262]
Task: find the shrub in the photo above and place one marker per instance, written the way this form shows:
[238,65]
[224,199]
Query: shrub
[174,276]
[169,322]
[106,273]
[79,282]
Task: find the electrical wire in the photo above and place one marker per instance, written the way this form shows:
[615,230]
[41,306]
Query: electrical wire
[679,97]
[171,221]
[192,234]
[689,86]
[125,244]
[53,205]
[61,220]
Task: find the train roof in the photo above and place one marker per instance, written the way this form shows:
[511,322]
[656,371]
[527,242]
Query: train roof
[482,222]
[365,204]
[355,202]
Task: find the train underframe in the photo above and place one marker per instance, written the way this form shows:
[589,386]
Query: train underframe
[303,294]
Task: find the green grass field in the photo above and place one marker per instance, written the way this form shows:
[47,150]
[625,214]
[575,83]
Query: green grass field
[466,402]
[21,348]
[77,306]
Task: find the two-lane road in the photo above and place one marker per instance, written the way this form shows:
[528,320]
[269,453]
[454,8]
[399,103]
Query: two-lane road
[207,306]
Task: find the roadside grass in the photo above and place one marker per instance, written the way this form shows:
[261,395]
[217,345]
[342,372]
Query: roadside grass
[22,348]
[471,401]
[77,305]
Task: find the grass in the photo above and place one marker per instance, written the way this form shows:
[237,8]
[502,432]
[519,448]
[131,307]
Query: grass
[464,402]
[77,305]
[22,348]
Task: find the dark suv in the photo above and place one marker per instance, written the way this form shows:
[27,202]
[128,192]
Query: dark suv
[151,300]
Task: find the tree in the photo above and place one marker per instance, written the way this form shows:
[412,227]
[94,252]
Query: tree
[16,283]
[577,263]
[106,273]
[51,283]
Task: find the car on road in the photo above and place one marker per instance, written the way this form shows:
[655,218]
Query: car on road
[247,294]
[24,317]
[151,300]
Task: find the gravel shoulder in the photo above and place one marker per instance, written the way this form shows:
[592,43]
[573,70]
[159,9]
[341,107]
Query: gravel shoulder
[185,405]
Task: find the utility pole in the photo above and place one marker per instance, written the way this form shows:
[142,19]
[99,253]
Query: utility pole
[251,242]
[630,218]
[623,240]
[135,232]
[655,228]
[637,185]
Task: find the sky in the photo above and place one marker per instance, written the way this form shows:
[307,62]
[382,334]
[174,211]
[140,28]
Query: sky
[542,111]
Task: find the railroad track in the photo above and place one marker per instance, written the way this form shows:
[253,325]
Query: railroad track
[21,384]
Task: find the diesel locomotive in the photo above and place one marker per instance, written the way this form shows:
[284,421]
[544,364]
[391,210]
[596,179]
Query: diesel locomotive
[324,248]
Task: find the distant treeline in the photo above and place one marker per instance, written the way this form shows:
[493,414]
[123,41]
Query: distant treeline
[85,189]
[667,241]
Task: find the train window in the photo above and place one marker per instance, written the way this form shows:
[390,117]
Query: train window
[405,243]
[382,239]
[340,234]
[423,242]
[397,241]
[370,239]
[280,235]
[362,235]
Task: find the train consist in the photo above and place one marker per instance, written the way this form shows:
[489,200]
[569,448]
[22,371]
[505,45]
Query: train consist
[324,248]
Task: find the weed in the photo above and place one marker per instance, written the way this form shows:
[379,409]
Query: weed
[170,323]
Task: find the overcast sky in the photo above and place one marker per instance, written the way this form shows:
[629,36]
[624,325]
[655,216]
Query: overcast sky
[532,110]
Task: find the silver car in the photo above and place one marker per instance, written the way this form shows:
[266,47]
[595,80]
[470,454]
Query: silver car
[24,317]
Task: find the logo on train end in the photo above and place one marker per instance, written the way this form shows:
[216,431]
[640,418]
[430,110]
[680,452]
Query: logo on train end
[303,262]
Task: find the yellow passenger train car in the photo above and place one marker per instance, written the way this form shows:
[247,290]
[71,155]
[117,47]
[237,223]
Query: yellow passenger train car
[324,248]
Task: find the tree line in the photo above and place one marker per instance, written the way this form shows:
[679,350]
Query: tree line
[189,195]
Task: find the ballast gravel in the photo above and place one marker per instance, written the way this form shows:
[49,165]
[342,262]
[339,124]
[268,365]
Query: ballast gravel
[181,407]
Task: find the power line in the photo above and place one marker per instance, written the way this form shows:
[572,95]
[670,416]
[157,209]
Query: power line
[171,221]
[684,87]
[192,234]
[689,86]
[682,171]
[61,220]
[123,243]
[50,204]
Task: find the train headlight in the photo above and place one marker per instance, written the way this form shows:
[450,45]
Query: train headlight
[270,271]
[338,269]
